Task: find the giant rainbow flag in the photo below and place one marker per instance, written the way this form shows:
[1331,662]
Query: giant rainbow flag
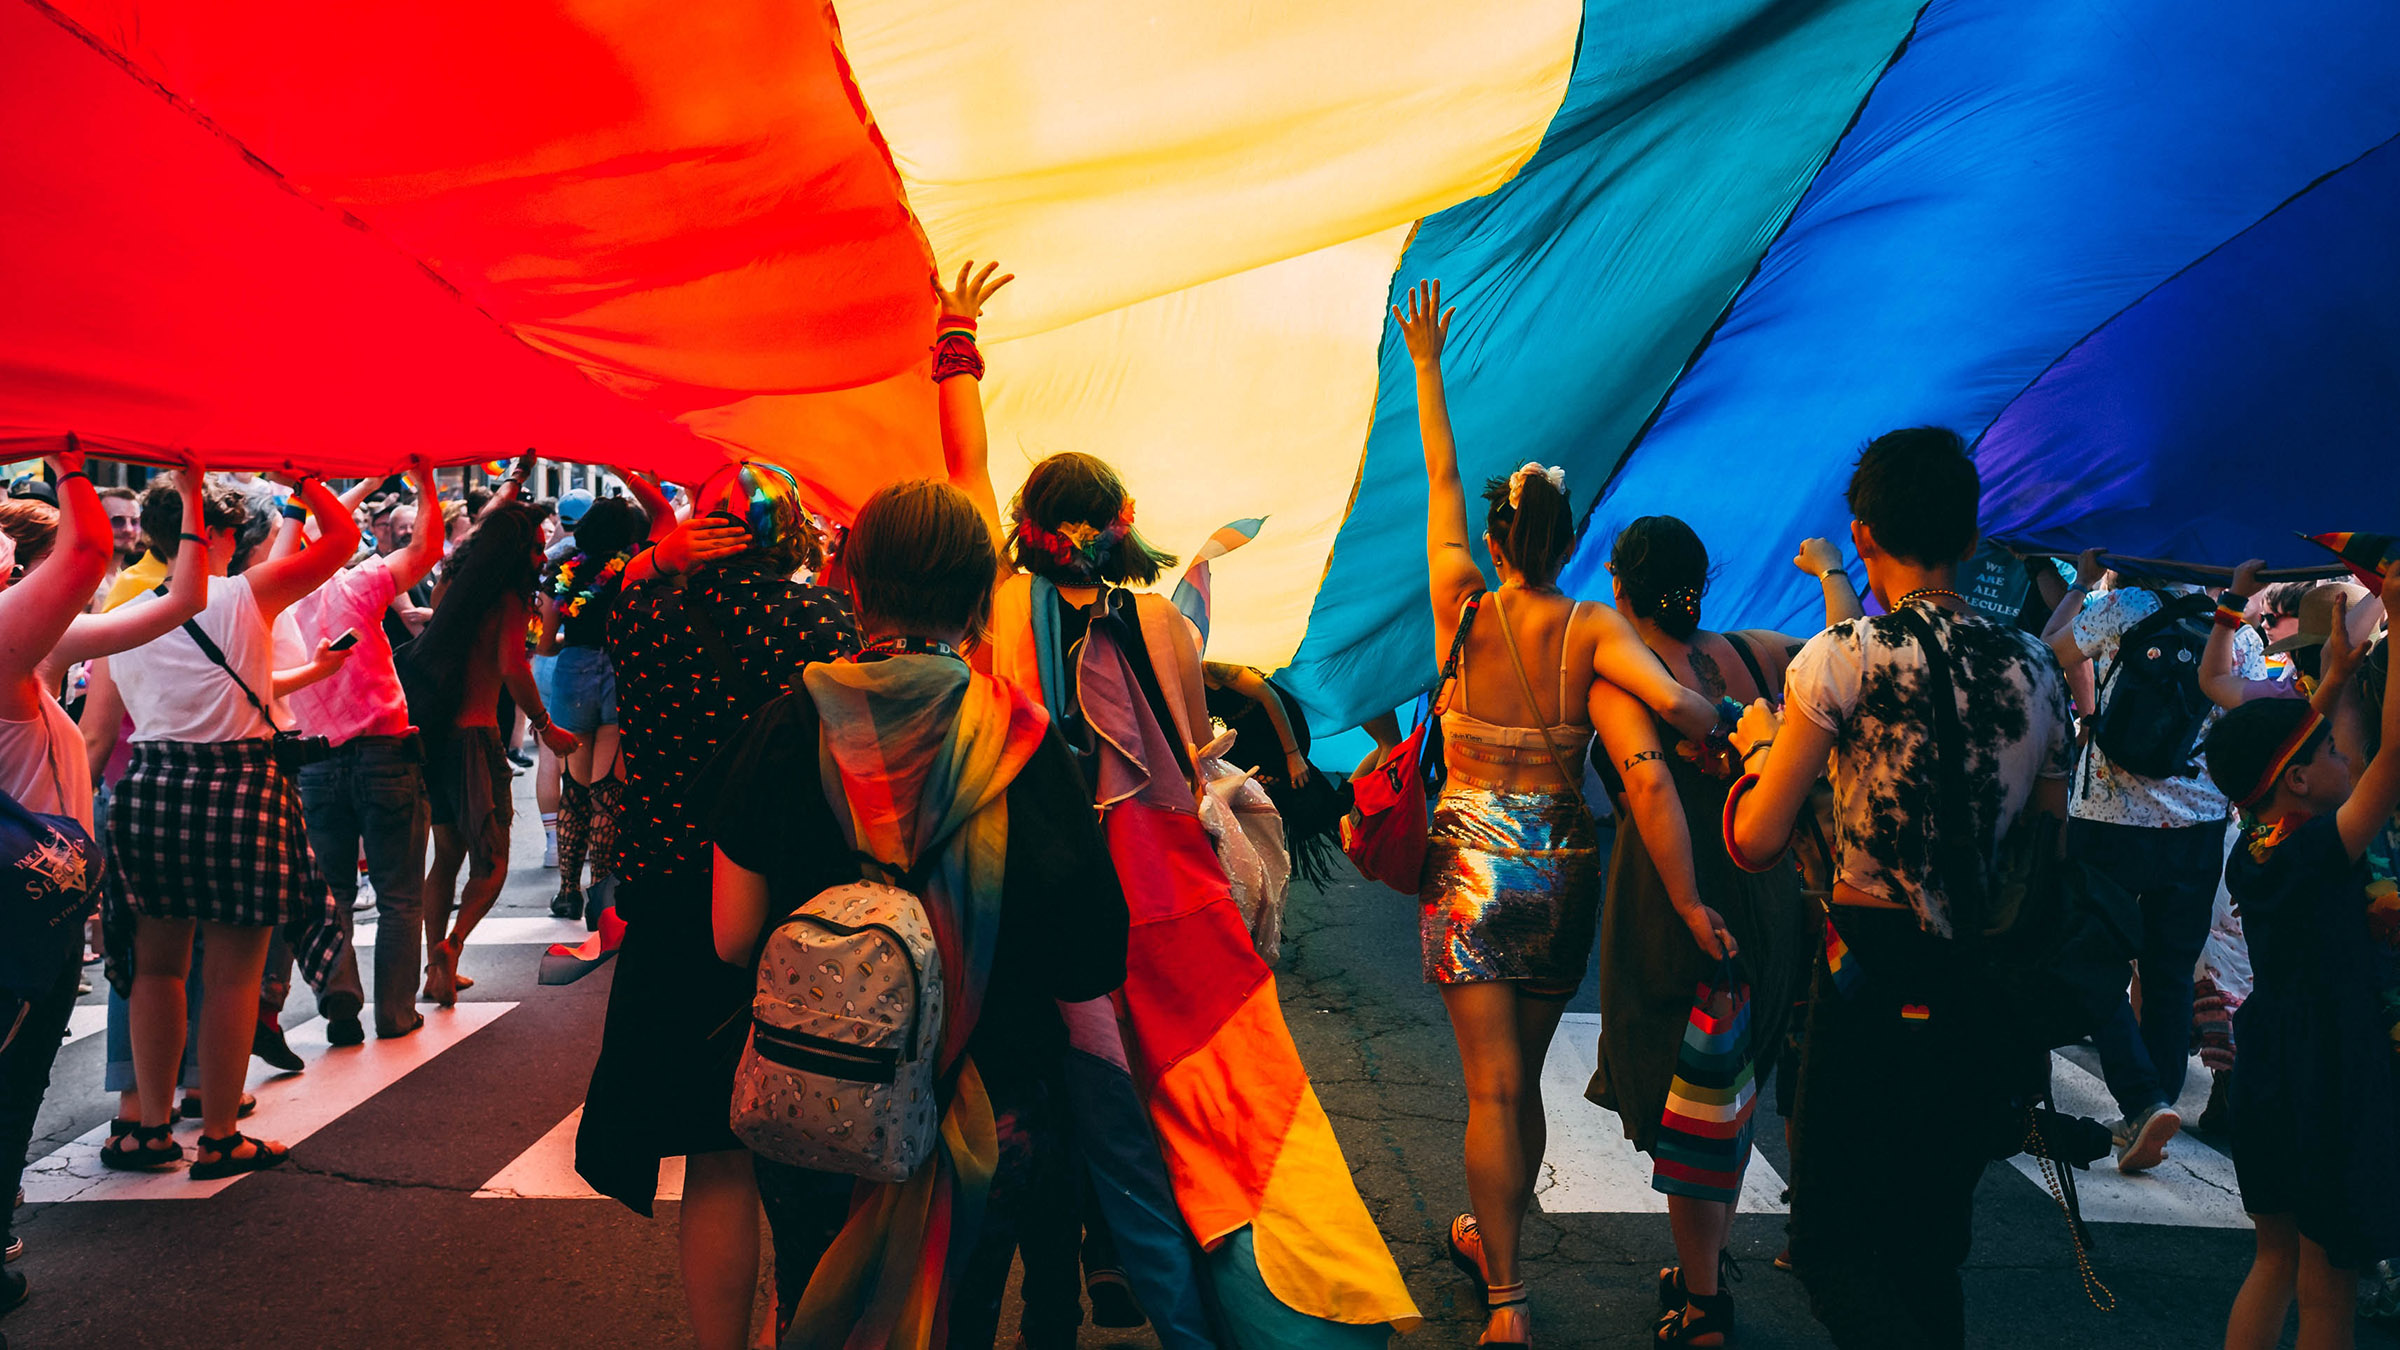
[1701,250]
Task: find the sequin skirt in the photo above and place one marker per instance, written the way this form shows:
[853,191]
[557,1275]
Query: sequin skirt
[1511,889]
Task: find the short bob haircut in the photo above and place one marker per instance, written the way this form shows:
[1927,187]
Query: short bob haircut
[1074,489]
[921,560]
[1917,492]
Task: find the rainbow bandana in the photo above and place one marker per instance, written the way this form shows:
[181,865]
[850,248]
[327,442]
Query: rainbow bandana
[917,753]
[2300,739]
[763,496]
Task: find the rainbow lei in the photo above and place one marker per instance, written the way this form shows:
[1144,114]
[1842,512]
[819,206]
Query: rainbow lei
[563,584]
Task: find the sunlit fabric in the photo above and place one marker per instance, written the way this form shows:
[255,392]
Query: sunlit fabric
[2282,346]
[1582,285]
[2025,172]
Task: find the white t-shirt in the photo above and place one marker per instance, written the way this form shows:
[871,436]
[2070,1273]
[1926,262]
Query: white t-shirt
[42,764]
[1864,680]
[2104,792]
[175,693]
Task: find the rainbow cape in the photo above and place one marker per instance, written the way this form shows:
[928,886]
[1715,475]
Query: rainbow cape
[1258,1177]
[917,754]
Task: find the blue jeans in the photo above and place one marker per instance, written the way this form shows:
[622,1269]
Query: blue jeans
[2173,874]
[371,795]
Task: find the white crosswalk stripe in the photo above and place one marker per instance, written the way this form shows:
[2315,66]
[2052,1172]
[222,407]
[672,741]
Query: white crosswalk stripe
[291,1107]
[515,931]
[547,1171]
[2193,1188]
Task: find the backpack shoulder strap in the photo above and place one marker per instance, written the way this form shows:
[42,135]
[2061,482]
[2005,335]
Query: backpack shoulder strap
[1758,677]
[1454,666]
[2171,610]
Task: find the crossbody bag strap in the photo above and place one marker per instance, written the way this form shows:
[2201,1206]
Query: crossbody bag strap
[209,649]
[1508,637]
[1455,662]
[1967,878]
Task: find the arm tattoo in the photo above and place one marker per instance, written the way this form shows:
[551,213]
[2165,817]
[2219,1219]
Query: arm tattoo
[1639,755]
[1704,669]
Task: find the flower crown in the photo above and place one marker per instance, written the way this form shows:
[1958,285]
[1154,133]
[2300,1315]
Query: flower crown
[1077,548]
[1516,481]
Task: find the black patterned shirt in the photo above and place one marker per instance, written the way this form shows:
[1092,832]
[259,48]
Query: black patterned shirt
[676,707]
[1865,681]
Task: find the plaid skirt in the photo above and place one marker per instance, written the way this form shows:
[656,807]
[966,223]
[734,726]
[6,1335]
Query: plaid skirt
[212,831]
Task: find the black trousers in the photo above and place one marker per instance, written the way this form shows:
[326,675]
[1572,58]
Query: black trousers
[1897,1114]
[25,1074]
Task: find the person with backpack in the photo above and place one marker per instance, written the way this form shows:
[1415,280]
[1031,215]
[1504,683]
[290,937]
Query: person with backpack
[951,791]
[1902,1098]
[2144,813]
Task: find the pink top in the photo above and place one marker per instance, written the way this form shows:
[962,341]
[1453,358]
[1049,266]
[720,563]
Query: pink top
[363,698]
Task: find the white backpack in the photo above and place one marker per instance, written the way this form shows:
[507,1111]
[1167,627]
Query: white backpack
[846,1031]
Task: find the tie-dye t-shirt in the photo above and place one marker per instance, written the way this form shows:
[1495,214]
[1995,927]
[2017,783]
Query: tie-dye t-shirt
[1864,680]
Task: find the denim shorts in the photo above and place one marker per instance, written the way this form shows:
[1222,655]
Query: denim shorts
[582,693]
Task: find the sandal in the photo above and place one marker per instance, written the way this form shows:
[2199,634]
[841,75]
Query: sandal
[143,1153]
[263,1155]
[1701,1315]
[1463,1231]
[190,1110]
[1504,1296]
[1672,1294]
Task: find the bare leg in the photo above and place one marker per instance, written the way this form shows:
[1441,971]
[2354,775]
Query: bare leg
[162,956]
[441,889]
[233,959]
[1499,1174]
[718,1237]
[2328,1301]
[2266,1296]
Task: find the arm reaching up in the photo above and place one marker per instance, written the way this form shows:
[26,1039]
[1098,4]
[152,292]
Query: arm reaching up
[40,604]
[277,584]
[415,563]
[653,500]
[129,626]
[2377,794]
[2218,680]
[958,376]
[1449,559]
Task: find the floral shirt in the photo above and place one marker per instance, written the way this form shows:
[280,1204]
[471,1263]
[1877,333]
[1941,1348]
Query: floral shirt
[2104,792]
[675,707]
[1865,681]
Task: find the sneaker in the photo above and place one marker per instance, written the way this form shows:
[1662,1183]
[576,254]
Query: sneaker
[344,1031]
[520,758]
[567,904]
[15,1248]
[550,849]
[2143,1138]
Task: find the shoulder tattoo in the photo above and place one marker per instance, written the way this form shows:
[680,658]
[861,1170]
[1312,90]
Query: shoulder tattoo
[1704,669]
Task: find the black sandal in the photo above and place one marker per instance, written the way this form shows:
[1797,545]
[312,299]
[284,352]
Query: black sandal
[1672,1294]
[140,1155]
[263,1155]
[190,1110]
[1701,1315]
[1462,1227]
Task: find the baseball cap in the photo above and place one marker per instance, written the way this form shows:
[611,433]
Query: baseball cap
[572,504]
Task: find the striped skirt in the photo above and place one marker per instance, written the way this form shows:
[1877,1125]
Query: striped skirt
[212,831]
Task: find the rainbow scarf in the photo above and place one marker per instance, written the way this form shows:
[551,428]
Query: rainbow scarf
[917,753]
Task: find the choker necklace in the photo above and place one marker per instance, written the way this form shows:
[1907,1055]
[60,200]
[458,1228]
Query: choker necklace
[904,644]
[1930,590]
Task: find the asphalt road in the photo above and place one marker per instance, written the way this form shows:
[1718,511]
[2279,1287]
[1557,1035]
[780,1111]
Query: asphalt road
[429,1201]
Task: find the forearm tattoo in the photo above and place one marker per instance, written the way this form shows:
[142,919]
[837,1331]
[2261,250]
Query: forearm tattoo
[1639,755]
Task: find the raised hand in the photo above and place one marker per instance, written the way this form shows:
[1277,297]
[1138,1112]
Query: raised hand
[1817,557]
[2341,657]
[1425,326]
[2245,579]
[966,299]
[2089,569]
[68,459]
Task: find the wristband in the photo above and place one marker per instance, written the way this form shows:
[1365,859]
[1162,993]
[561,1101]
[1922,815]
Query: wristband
[1733,851]
[1746,754]
[188,537]
[1830,573]
[2229,616]
[954,350]
[294,510]
[60,481]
